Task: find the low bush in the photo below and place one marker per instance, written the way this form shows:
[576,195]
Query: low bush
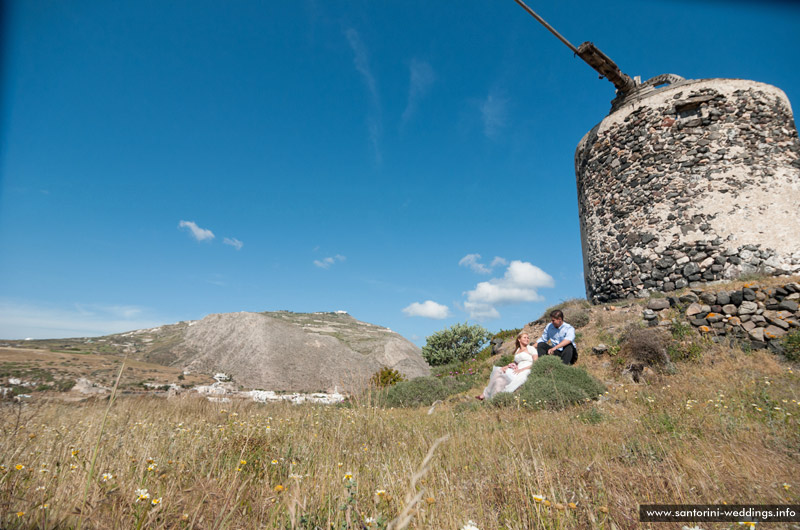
[423,391]
[456,343]
[646,345]
[552,385]
[386,377]
[791,346]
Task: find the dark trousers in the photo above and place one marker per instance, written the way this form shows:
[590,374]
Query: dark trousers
[566,354]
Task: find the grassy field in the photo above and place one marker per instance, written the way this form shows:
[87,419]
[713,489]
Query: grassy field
[725,430]
[722,429]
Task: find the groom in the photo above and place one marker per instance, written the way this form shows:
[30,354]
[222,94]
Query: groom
[557,339]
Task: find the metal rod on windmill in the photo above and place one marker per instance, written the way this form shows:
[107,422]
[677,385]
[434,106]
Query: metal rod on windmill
[592,56]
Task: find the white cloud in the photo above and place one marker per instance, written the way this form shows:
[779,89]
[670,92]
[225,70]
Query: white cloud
[235,243]
[471,261]
[421,78]
[518,285]
[326,263]
[494,113]
[21,320]
[427,309]
[200,234]
[361,62]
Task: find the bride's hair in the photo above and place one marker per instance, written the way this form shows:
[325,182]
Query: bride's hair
[521,333]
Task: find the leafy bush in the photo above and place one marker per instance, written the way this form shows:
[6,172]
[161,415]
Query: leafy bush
[553,385]
[576,312]
[456,343]
[791,346]
[386,377]
[423,391]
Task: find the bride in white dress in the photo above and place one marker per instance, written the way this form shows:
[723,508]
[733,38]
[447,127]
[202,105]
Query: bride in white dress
[510,377]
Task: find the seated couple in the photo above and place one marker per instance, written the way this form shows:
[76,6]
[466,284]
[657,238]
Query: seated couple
[558,339]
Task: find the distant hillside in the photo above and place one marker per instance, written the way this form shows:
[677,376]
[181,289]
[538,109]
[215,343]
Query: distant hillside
[273,350]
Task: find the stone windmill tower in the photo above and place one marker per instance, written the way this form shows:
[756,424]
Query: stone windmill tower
[685,182]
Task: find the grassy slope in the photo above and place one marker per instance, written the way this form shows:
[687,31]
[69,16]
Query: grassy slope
[724,428]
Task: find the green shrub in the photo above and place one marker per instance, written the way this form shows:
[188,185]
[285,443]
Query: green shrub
[552,385]
[791,346]
[422,391]
[456,343]
[386,377]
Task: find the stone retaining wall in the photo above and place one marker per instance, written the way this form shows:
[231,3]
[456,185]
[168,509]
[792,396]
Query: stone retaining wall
[761,315]
[699,181]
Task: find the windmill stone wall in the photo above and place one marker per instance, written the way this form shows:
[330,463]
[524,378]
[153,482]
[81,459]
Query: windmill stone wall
[687,184]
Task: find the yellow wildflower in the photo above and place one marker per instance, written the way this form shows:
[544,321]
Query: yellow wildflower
[277,489]
[19,467]
[155,502]
[348,476]
[20,514]
[538,498]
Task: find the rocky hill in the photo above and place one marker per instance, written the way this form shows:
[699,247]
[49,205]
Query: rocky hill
[281,351]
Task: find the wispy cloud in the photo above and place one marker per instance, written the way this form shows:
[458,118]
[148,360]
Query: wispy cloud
[19,320]
[361,62]
[200,234]
[422,77]
[494,113]
[235,243]
[472,261]
[518,285]
[326,263]
[427,309]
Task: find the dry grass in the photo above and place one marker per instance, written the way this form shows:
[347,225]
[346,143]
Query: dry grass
[710,434]
[724,428]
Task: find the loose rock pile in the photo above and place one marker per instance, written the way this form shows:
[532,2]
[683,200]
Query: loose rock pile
[761,315]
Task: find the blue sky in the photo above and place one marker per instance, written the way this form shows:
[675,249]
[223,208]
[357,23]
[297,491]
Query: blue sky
[408,162]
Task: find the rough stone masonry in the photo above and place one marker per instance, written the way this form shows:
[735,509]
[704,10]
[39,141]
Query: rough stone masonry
[694,182]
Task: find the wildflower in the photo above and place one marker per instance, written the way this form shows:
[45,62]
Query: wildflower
[538,498]
[572,505]
[19,467]
[748,523]
[73,467]
[277,489]
[786,486]
[558,506]
[20,514]
[603,509]
[44,506]
[691,528]
[142,495]
[155,502]
[106,477]
[152,467]
[470,526]
[430,500]
[348,476]
[274,462]
[546,502]
[75,453]
[295,476]
[380,493]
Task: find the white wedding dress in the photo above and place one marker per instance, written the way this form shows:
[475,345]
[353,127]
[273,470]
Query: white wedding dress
[508,381]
